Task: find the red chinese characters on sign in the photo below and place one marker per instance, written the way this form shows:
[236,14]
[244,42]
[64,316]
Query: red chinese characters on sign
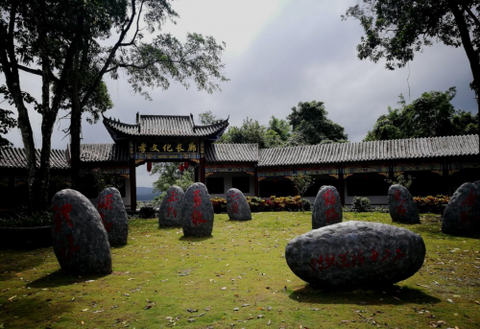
[62,213]
[353,259]
[401,207]
[466,216]
[170,209]
[234,198]
[66,252]
[329,198]
[197,216]
[105,203]
[332,215]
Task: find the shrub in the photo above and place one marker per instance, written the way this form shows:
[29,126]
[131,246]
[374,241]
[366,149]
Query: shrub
[361,204]
[431,204]
[219,205]
[147,212]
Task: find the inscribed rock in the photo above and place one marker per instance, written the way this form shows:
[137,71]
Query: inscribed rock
[171,208]
[401,206]
[462,214]
[114,217]
[197,212]
[327,208]
[237,205]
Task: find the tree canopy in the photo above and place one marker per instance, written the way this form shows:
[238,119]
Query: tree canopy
[72,45]
[310,123]
[395,30]
[428,116]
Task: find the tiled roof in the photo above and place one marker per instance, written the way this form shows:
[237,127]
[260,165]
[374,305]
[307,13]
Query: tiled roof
[13,157]
[103,153]
[165,126]
[232,153]
[371,151]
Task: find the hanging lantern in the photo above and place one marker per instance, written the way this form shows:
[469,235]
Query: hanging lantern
[185,165]
[149,166]
[180,167]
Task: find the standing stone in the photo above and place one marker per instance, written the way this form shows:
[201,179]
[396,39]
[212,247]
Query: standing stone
[80,241]
[114,217]
[237,205]
[197,212]
[355,254]
[171,208]
[327,209]
[401,206]
[462,214]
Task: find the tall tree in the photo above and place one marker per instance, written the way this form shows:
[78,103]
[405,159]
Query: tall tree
[430,115]
[6,123]
[73,44]
[395,30]
[170,175]
[249,132]
[310,124]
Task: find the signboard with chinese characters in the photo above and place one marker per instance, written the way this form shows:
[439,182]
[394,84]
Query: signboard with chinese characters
[165,150]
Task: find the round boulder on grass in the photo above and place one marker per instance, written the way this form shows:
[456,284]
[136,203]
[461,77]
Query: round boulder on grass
[114,217]
[237,205]
[197,212]
[401,206]
[462,214]
[171,208]
[327,209]
[79,239]
[355,254]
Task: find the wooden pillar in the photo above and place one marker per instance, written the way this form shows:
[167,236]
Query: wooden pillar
[341,185]
[202,170]
[255,182]
[133,185]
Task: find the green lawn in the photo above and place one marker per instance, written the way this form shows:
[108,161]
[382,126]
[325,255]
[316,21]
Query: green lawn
[238,278]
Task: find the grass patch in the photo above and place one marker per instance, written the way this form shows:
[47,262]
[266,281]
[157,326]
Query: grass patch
[237,278]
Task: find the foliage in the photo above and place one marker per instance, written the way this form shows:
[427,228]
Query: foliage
[309,121]
[219,205]
[361,204]
[102,180]
[6,123]
[395,30]
[171,175]
[428,116]
[403,180]
[207,118]
[250,132]
[24,218]
[302,183]
[431,204]
[71,45]
[147,212]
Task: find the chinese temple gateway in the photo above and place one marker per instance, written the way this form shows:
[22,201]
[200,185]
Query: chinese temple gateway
[438,165]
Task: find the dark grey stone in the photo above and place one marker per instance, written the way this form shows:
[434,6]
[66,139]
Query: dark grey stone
[237,205]
[171,208]
[355,254]
[114,217]
[327,209]
[197,211]
[401,206]
[462,214]
[79,239]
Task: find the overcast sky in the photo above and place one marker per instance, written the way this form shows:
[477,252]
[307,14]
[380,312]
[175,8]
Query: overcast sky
[279,53]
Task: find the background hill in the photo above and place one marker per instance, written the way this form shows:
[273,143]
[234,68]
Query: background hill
[146,193]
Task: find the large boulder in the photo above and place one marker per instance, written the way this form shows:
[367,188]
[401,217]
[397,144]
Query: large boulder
[197,212]
[401,206]
[171,208]
[79,239]
[237,205]
[462,214]
[327,209]
[114,217]
[355,254]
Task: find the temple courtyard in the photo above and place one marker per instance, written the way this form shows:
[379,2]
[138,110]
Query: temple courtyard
[238,278]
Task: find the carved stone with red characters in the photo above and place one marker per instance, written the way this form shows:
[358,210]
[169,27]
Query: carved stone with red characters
[401,206]
[197,211]
[462,214]
[171,208]
[327,209]
[114,217]
[237,205]
[79,239]
[355,254]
